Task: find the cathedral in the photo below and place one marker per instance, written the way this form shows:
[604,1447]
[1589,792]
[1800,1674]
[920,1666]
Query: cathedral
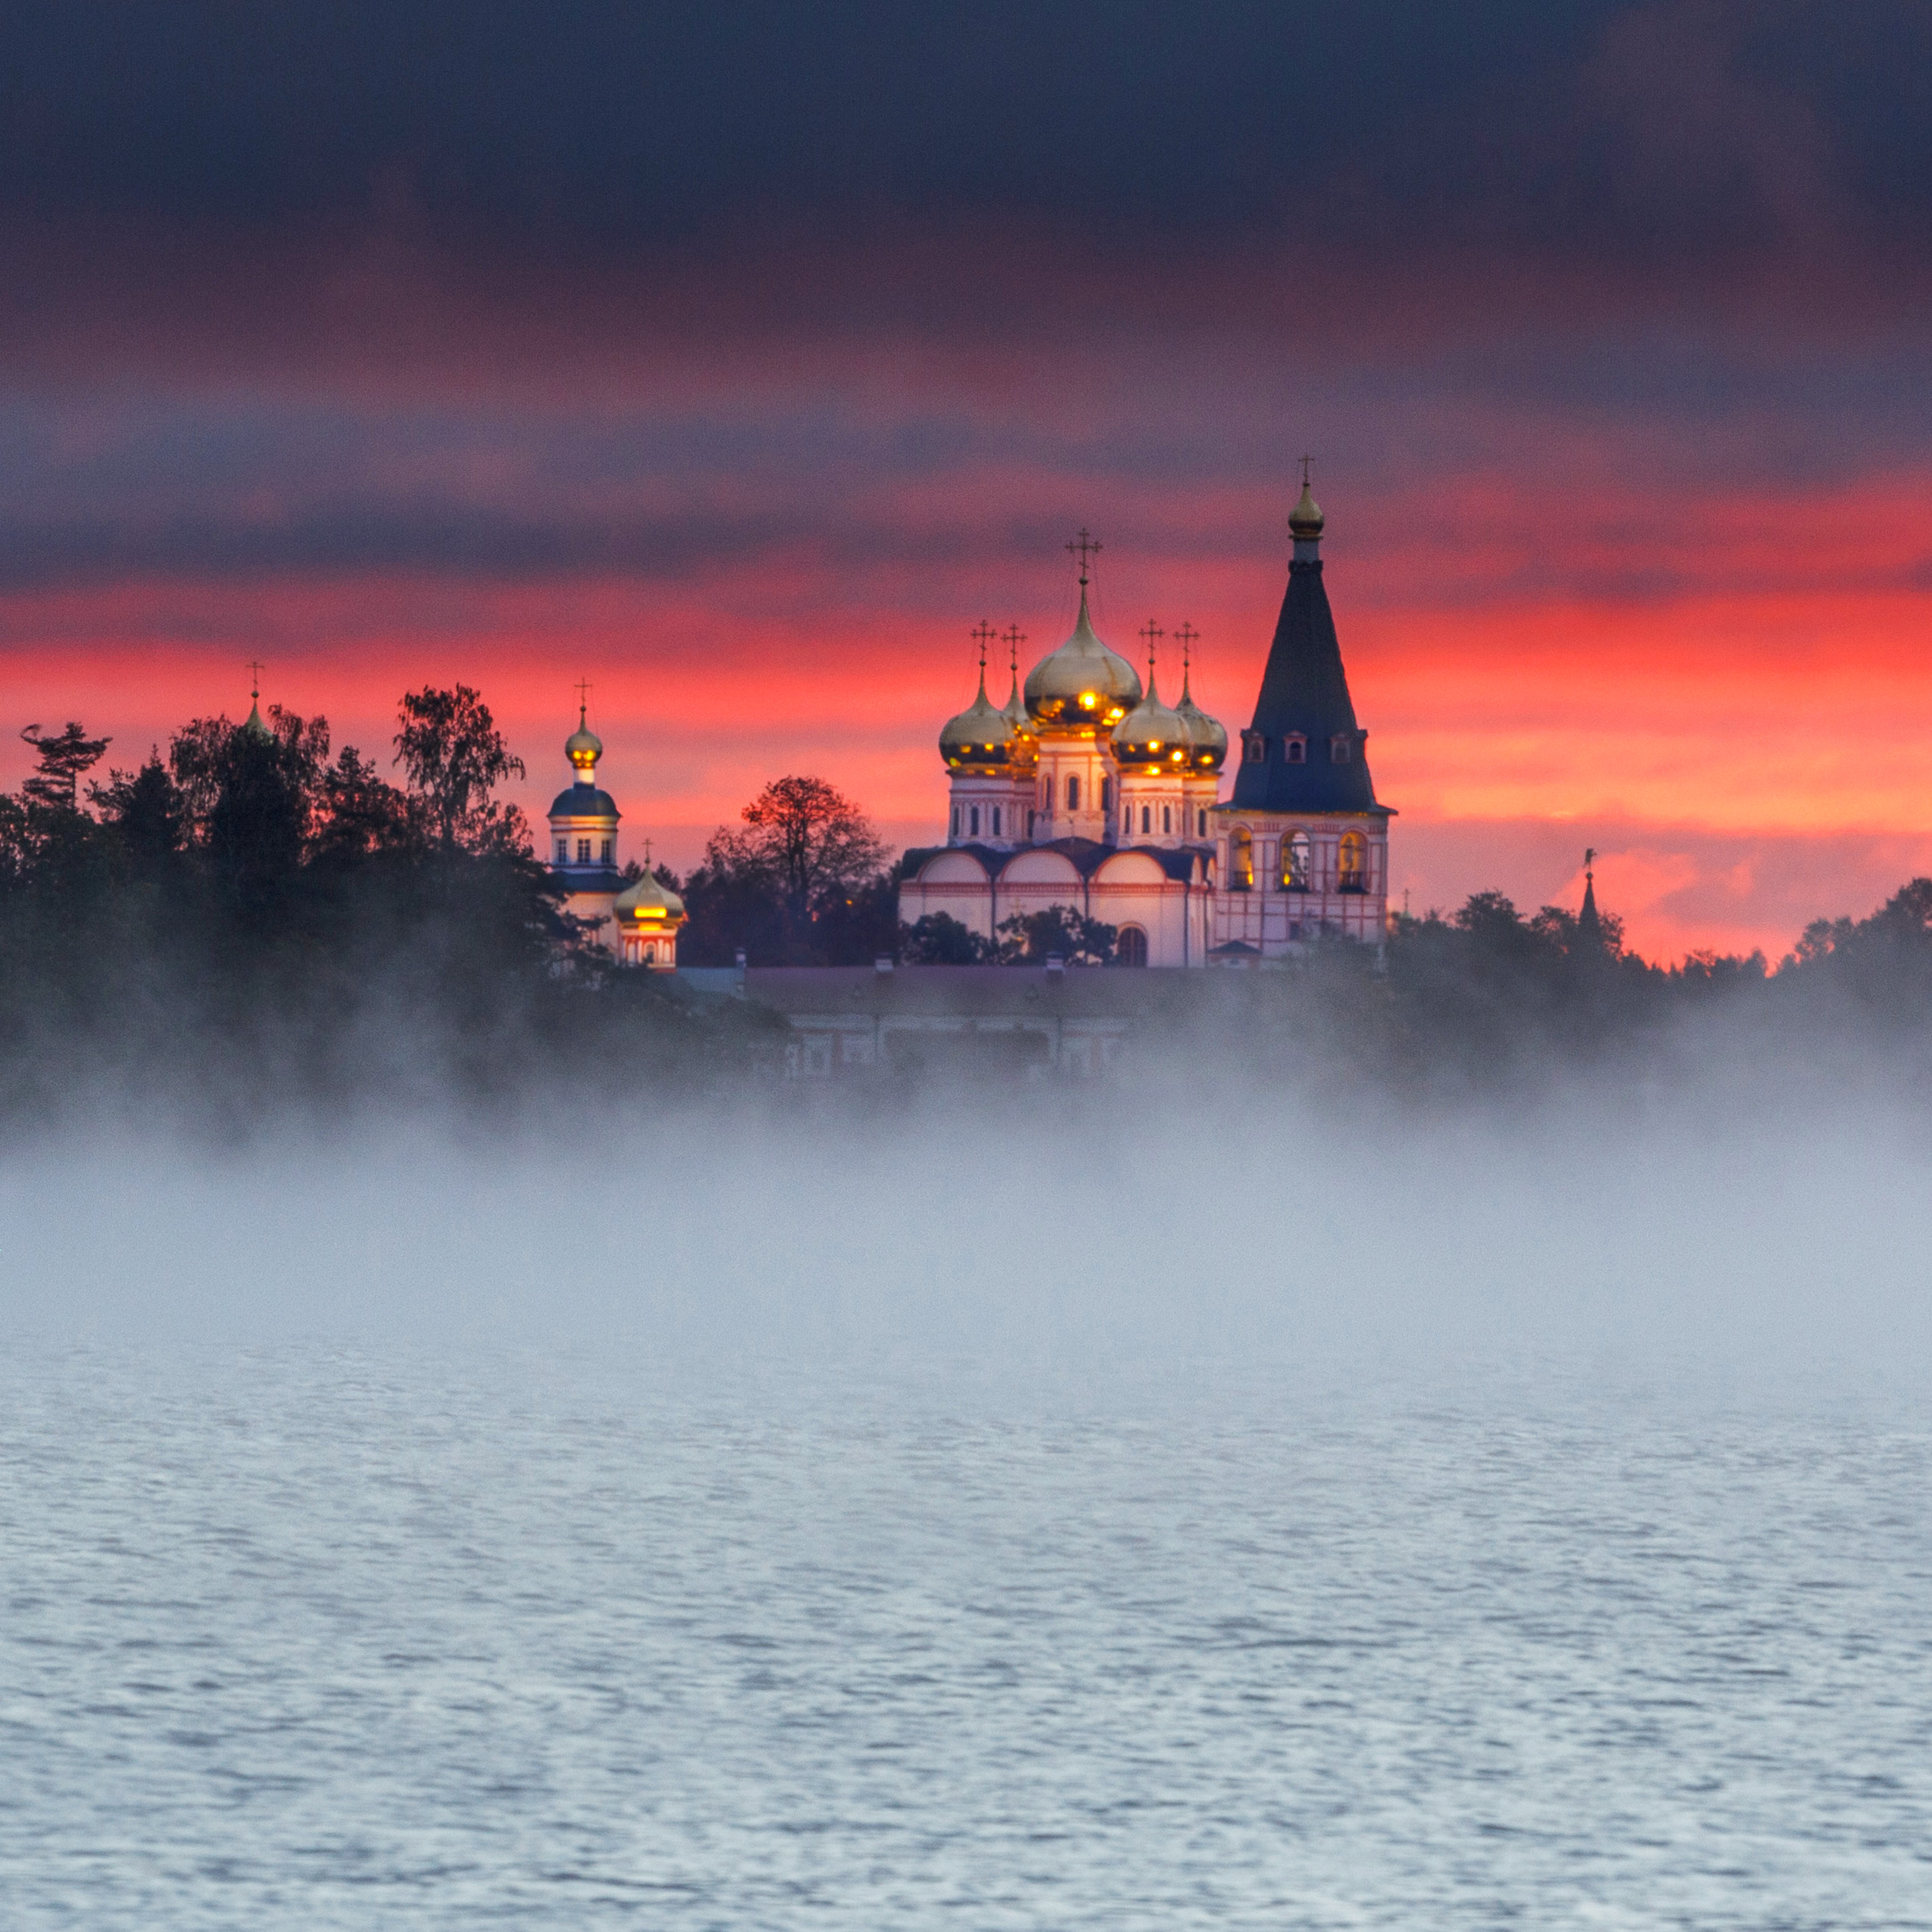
[1085,790]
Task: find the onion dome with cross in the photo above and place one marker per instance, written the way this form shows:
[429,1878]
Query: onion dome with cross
[1206,737]
[981,738]
[1083,688]
[1153,736]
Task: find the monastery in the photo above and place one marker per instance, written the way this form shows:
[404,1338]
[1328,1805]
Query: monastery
[1085,790]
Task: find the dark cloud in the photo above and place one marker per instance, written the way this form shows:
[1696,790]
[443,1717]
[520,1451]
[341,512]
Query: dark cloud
[1657,133]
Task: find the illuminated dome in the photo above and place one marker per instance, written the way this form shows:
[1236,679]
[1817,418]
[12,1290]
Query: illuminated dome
[648,903]
[1083,685]
[583,748]
[1206,737]
[980,738]
[1153,736]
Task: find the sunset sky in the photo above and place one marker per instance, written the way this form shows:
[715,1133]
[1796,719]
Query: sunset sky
[740,360]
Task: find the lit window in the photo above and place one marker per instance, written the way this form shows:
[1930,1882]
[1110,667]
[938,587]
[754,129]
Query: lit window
[1241,859]
[1353,869]
[1073,794]
[1294,749]
[1295,863]
[583,852]
[974,815]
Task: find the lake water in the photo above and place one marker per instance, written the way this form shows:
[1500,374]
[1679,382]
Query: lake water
[312,1635]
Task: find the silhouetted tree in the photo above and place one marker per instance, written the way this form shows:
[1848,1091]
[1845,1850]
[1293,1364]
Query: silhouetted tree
[146,811]
[455,757]
[938,939]
[1031,937]
[59,762]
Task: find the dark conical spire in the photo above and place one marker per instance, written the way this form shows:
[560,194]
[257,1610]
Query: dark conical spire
[1589,928]
[1304,703]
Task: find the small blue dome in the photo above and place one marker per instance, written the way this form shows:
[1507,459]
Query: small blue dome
[584,801]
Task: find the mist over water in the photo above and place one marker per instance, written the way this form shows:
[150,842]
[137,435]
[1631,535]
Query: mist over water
[1201,1499]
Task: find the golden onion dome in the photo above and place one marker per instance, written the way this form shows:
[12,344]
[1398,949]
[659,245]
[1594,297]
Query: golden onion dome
[583,748]
[980,738]
[1153,736]
[649,902]
[1082,686]
[1305,520]
[1206,737]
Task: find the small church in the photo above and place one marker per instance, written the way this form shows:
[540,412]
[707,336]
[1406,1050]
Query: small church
[1086,790]
[638,919]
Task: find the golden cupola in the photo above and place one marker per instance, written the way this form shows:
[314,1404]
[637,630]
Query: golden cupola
[583,748]
[980,738]
[1206,737]
[1083,689]
[1153,736]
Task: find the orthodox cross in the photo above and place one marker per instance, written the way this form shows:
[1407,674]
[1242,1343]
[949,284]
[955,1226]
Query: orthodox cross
[583,698]
[1084,547]
[1151,634]
[1589,860]
[1306,461]
[1015,637]
[982,632]
[255,668]
[1186,634]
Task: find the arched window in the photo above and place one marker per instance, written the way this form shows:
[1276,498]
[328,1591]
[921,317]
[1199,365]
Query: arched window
[1241,859]
[1106,794]
[1073,794]
[1130,947]
[1294,749]
[1254,748]
[1147,818]
[1127,819]
[1295,863]
[1167,818]
[955,821]
[1339,748]
[1352,871]
[1032,816]
[995,821]
[1201,825]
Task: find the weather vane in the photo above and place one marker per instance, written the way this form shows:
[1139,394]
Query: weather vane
[1084,547]
[982,632]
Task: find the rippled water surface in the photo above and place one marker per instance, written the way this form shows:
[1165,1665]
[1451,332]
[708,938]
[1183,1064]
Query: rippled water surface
[303,1639]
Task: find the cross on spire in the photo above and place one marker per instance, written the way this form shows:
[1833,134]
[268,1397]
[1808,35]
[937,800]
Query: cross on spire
[1151,635]
[1186,634]
[1589,860]
[255,668]
[583,698]
[1015,637]
[1307,464]
[983,633]
[1084,547]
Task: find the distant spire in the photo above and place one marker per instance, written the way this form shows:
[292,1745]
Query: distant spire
[1589,928]
[253,723]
